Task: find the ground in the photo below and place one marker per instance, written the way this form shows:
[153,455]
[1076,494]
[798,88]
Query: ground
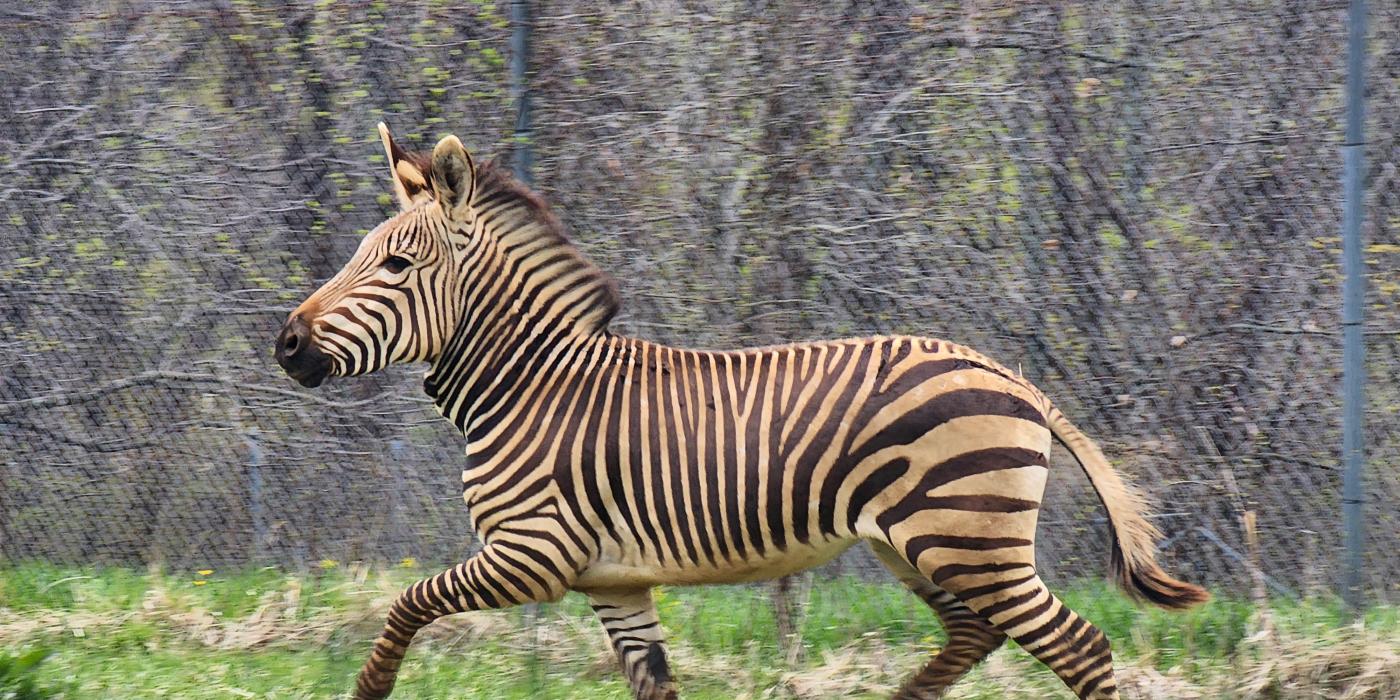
[267,633]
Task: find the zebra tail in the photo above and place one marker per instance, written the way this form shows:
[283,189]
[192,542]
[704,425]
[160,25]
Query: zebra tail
[1133,563]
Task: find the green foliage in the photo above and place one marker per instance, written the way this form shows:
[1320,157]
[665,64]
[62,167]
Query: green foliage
[19,675]
[40,586]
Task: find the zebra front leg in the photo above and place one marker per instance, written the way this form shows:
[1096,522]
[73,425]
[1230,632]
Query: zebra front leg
[493,578]
[630,618]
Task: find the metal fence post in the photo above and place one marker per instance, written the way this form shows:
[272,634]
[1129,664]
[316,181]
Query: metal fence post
[523,159]
[1353,309]
[256,511]
[398,539]
[519,66]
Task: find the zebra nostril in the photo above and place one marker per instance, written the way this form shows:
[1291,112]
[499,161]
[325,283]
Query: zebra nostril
[295,350]
[295,336]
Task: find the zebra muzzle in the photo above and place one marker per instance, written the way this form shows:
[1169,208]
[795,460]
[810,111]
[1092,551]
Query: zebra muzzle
[299,356]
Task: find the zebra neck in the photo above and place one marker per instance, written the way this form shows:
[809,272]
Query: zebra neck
[550,278]
[529,298]
[492,359]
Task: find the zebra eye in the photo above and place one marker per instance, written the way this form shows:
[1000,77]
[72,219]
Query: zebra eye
[395,264]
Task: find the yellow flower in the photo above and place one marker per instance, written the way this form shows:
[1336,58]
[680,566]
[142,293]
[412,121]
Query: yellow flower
[199,583]
[408,562]
[329,563]
[204,572]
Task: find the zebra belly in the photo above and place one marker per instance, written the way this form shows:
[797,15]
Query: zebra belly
[614,574]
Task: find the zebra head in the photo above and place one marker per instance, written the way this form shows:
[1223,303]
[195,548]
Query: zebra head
[394,300]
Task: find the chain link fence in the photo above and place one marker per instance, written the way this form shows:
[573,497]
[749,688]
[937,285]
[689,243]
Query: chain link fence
[1136,203]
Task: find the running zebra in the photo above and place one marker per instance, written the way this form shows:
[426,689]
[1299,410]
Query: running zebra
[608,465]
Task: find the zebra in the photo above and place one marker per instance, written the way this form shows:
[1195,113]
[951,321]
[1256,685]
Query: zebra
[608,465]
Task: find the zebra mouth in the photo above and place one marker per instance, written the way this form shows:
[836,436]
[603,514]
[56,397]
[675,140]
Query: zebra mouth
[309,368]
[311,378]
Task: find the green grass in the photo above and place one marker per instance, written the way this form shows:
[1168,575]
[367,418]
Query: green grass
[114,589]
[19,675]
[264,633]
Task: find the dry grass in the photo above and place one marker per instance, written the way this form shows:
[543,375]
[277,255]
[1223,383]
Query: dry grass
[1348,664]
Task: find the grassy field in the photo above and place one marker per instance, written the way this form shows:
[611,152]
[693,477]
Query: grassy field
[119,633]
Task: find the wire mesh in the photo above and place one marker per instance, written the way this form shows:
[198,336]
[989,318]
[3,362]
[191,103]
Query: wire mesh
[1135,203]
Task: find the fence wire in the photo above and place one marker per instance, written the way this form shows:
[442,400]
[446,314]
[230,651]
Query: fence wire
[1136,203]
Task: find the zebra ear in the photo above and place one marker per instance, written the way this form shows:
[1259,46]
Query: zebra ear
[453,177]
[406,171]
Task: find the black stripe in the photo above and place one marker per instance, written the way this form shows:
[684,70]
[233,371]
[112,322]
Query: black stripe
[981,503]
[994,587]
[918,545]
[826,513]
[1050,626]
[636,442]
[715,411]
[658,432]
[672,424]
[766,370]
[587,454]
[503,548]
[958,403]
[695,400]
[878,481]
[959,467]
[729,407]
[822,440]
[1014,602]
[608,437]
[947,571]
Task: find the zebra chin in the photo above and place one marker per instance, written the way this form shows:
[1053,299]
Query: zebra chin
[311,379]
[309,369]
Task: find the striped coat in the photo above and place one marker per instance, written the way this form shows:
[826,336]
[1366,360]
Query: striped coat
[608,465]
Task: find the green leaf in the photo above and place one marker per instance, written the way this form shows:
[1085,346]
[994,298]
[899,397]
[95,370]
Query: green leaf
[31,659]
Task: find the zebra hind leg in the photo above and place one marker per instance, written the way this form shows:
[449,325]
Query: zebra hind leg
[970,636]
[635,631]
[1014,598]
[968,525]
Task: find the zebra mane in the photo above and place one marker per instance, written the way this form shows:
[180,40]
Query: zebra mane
[530,235]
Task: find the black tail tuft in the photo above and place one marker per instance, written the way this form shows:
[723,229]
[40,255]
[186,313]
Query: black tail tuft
[1150,583]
